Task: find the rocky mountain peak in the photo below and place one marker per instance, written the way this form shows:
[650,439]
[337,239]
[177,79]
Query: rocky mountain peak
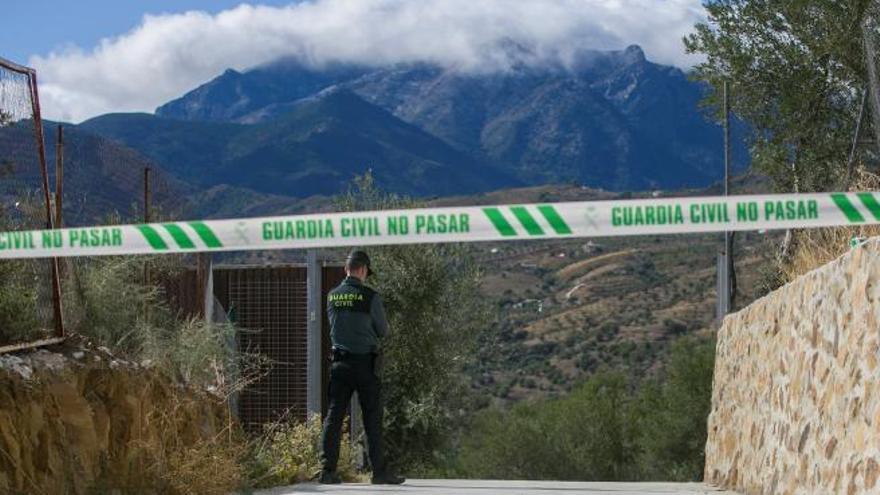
[633,54]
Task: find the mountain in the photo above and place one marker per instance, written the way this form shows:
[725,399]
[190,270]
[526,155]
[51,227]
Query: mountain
[190,149]
[316,147]
[609,119]
[268,137]
[245,98]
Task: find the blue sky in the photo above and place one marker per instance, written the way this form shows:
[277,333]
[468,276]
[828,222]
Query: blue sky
[39,26]
[101,56]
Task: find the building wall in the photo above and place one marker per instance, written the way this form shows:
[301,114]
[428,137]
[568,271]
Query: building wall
[796,399]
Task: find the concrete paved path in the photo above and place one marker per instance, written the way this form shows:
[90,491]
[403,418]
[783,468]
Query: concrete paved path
[483,487]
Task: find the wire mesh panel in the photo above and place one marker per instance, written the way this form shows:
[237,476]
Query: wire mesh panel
[27,293]
[269,305]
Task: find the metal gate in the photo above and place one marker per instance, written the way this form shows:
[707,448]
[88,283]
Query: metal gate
[269,305]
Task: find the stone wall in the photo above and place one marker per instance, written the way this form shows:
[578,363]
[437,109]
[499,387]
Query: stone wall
[796,399]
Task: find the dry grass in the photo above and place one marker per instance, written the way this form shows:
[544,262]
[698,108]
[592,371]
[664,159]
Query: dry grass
[812,248]
[190,448]
[211,467]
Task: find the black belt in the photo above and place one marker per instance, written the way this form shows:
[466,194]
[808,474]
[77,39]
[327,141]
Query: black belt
[340,354]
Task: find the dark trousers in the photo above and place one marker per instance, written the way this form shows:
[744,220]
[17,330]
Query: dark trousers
[349,374]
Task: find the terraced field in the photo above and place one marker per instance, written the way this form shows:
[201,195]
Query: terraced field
[569,309]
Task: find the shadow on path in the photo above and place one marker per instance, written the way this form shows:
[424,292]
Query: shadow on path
[486,487]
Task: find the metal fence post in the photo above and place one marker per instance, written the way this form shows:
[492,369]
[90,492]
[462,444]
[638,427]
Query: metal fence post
[870,49]
[723,286]
[314,339]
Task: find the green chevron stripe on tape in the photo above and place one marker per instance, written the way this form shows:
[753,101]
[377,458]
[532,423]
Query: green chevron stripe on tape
[554,219]
[206,234]
[519,222]
[527,221]
[846,206]
[871,203]
[153,237]
[499,222]
[179,236]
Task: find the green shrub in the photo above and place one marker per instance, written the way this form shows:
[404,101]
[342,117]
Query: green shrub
[603,430]
[18,302]
[23,291]
[586,435]
[673,413]
[107,302]
[201,352]
[290,453]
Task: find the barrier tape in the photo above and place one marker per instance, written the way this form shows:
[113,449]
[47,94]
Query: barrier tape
[454,224]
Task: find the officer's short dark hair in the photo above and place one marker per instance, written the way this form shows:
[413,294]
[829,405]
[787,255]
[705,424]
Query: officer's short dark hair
[354,265]
[357,260]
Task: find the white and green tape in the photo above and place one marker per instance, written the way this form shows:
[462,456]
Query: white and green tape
[455,224]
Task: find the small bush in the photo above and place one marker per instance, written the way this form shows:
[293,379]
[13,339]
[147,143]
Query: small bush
[18,303]
[25,288]
[290,453]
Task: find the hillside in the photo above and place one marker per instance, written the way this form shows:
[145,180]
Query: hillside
[571,309]
[567,309]
[102,178]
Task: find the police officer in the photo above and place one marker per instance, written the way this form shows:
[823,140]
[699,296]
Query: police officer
[357,322]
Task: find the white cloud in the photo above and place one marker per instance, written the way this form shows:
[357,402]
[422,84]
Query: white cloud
[166,55]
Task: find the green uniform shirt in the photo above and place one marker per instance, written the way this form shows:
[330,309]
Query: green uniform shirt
[357,317]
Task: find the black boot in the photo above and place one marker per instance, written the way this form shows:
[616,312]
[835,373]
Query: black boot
[387,479]
[329,478]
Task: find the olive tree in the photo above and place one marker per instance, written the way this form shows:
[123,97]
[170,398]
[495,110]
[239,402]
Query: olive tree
[435,312]
[796,70]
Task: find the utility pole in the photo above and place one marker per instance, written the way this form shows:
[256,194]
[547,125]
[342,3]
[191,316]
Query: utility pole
[725,259]
[59,178]
[147,200]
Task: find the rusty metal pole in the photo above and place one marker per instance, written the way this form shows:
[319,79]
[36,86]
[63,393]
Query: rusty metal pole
[41,151]
[147,200]
[59,178]
[147,193]
[204,288]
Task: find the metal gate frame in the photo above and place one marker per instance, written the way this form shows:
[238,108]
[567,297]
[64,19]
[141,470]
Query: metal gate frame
[299,381]
[57,313]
